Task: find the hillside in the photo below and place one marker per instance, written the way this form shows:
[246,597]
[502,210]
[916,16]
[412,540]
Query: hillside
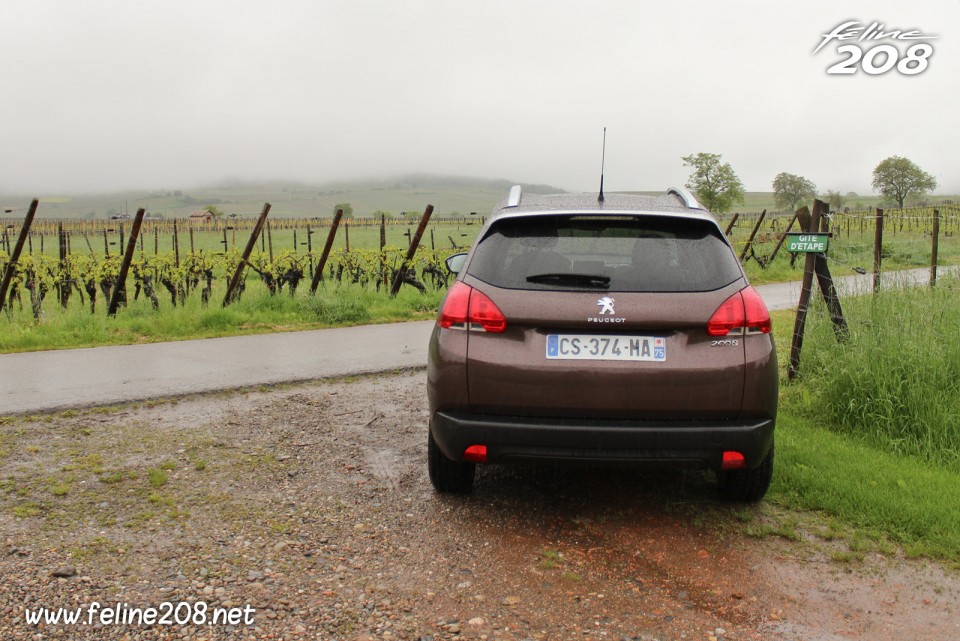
[449,195]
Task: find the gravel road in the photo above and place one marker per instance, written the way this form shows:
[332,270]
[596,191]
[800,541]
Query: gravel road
[304,511]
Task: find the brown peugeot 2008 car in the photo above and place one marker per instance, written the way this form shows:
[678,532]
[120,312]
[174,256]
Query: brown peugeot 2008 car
[618,329]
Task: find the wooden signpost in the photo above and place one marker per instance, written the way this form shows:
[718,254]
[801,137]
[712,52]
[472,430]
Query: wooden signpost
[814,244]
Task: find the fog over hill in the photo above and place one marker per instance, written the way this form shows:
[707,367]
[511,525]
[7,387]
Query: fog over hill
[450,195]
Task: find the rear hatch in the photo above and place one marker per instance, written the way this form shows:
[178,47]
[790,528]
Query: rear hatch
[606,317]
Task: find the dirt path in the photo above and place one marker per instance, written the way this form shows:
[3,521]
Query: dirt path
[309,506]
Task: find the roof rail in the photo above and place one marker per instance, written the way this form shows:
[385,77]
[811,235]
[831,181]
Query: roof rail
[513,198]
[688,199]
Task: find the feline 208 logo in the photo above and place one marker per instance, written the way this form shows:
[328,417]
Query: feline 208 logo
[909,59]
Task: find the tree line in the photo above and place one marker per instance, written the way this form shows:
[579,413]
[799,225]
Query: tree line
[718,188]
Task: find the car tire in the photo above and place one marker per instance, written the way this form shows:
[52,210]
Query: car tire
[747,486]
[453,477]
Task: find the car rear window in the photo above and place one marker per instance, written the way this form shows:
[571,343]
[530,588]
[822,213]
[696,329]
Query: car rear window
[616,253]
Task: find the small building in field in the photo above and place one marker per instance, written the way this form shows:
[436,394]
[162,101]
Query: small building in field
[202,216]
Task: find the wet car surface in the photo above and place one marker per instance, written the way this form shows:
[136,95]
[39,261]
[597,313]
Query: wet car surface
[620,330]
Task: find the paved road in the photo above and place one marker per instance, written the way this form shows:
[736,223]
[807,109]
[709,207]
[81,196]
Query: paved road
[54,380]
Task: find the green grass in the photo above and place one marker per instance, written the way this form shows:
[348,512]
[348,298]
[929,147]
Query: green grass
[257,312]
[157,477]
[909,500]
[895,382]
[868,436]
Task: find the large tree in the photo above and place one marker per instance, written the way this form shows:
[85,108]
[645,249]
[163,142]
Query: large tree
[898,178]
[714,182]
[790,189]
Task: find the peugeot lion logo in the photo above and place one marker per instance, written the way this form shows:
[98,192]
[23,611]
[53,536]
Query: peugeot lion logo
[607,313]
[606,305]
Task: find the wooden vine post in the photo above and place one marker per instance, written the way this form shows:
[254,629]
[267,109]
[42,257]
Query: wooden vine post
[783,237]
[17,249]
[119,290]
[63,284]
[251,243]
[176,244]
[753,234]
[733,221]
[411,251]
[318,273]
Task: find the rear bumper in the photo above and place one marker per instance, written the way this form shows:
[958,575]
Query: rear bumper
[697,444]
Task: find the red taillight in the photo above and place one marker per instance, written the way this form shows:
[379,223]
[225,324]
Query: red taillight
[466,307]
[733,461]
[455,307]
[745,309]
[485,312]
[475,454]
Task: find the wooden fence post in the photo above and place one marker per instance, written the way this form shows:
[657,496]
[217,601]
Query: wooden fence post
[733,221]
[310,246]
[63,286]
[877,249]
[793,369]
[411,251]
[15,255]
[783,237]
[318,273]
[383,277]
[251,243]
[825,280]
[176,244]
[120,288]
[270,240]
[935,248]
[753,234]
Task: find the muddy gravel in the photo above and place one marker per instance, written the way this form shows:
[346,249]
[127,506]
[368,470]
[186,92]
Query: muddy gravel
[305,512]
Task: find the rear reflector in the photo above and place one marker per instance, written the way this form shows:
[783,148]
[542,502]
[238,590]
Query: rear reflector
[744,310]
[468,308]
[475,454]
[733,461]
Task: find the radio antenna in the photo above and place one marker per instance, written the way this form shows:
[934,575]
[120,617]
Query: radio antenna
[603,158]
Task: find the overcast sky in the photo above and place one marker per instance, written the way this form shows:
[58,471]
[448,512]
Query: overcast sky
[107,94]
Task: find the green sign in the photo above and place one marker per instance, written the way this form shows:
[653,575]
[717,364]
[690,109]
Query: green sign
[807,243]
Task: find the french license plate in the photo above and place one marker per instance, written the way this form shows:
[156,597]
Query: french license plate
[589,347]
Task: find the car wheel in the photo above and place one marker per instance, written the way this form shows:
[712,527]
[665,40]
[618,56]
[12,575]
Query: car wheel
[448,476]
[746,485]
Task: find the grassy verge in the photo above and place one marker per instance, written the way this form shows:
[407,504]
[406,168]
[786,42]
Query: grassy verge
[879,494]
[257,312]
[868,437]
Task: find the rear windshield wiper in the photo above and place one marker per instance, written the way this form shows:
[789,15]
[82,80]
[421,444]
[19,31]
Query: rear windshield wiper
[573,280]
